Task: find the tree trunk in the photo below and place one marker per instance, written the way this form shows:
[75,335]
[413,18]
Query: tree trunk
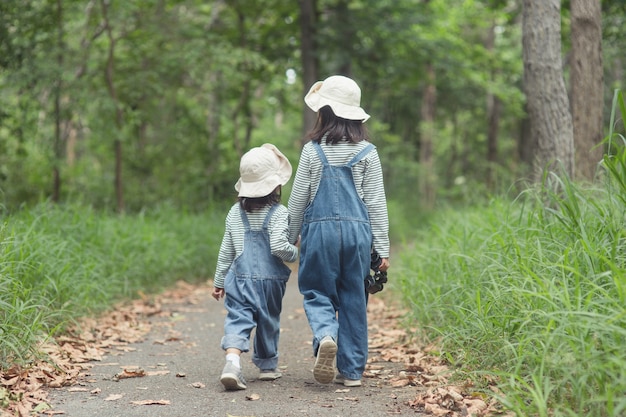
[119,115]
[308,19]
[58,139]
[546,96]
[427,131]
[587,86]
[213,122]
[493,119]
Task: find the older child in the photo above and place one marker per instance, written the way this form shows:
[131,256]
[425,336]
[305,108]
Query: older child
[250,274]
[338,206]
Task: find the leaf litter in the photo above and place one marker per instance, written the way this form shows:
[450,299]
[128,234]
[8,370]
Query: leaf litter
[24,389]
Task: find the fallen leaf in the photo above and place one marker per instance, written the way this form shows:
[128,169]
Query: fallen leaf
[156,373]
[151,402]
[253,397]
[131,373]
[113,397]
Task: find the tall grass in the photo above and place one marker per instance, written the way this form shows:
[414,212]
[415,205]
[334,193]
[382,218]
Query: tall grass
[533,292]
[59,263]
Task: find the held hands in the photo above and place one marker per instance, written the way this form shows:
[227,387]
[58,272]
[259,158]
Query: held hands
[218,293]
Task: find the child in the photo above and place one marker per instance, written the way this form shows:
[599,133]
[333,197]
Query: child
[250,274]
[338,206]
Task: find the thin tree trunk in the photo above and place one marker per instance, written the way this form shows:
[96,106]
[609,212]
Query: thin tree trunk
[547,101]
[493,119]
[58,139]
[587,86]
[213,123]
[119,116]
[308,21]
[427,131]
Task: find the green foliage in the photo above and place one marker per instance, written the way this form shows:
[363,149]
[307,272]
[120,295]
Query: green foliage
[532,292]
[197,83]
[60,263]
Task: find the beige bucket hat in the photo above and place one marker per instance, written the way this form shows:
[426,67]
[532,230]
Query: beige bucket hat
[261,170]
[342,94]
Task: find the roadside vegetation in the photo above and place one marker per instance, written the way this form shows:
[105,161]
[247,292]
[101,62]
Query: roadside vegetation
[531,293]
[58,263]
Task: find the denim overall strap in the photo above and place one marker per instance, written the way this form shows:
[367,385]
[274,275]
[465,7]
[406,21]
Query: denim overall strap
[269,215]
[244,219]
[256,261]
[336,196]
[336,241]
[360,155]
[320,153]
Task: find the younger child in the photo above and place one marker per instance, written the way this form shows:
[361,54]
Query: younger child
[250,274]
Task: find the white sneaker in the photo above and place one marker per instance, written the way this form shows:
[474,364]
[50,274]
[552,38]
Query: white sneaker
[340,379]
[232,378]
[324,369]
[269,374]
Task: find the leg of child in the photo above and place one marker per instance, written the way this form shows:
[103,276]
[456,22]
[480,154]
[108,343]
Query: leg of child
[233,355]
[232,377]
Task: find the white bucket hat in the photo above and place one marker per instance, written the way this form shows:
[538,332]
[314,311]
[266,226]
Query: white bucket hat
[342,94]
[262,169]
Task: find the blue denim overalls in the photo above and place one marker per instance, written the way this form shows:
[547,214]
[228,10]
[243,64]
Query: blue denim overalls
[334,260]
[255,286]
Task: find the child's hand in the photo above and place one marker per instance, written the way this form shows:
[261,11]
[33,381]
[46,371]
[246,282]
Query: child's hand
[384,265]
[218,293]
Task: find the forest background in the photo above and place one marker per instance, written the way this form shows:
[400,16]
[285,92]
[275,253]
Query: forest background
[122,125]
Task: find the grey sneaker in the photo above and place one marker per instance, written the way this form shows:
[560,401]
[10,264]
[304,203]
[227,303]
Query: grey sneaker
[269,374]
[324,369]
[232,378]
[340,379]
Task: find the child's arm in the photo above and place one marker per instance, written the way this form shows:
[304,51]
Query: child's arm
[279,236]
[225,258]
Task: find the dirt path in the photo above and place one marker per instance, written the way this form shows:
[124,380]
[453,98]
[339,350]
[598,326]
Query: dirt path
[174,371]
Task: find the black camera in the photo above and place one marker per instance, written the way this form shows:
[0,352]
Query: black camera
[374,283]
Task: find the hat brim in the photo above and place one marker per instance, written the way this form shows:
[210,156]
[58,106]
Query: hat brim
[267,184]
[257,189]
[315,102]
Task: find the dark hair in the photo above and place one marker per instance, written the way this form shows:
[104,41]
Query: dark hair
[251,204]
[336,128]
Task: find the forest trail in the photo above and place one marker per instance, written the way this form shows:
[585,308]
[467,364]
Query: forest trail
[161,356]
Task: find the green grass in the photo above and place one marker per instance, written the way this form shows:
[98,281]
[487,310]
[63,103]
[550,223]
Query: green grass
[58,263]
[532,292]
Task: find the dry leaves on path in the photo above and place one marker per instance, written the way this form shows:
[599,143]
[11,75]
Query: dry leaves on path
[23,389]
[421,368]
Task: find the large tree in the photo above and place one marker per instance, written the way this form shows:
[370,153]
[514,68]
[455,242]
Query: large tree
[587,85]
[546,95]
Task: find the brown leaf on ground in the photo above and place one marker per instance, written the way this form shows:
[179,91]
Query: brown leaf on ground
[68,355]
[151,402]
[130,373]
[427,372]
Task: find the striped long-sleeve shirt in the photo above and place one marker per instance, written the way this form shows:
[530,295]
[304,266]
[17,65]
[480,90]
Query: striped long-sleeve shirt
[368,178]
[232,242]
